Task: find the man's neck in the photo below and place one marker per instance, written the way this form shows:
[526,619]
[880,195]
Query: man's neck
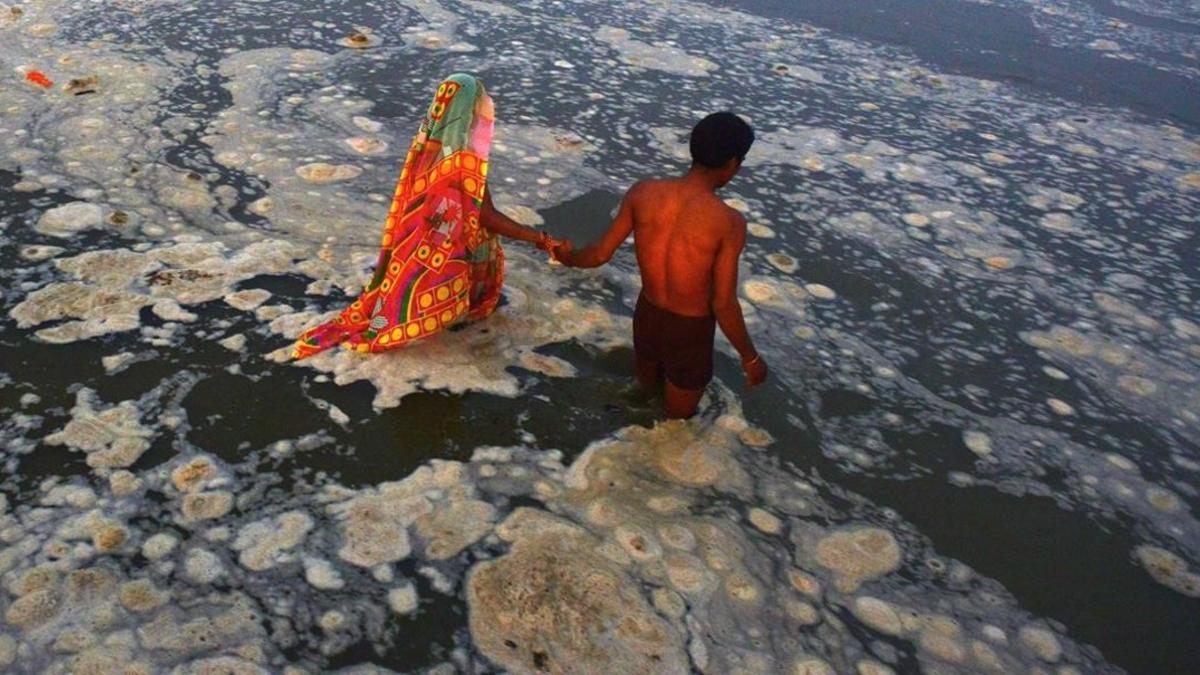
[704,177]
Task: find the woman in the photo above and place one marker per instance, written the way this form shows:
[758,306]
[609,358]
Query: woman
[441,261]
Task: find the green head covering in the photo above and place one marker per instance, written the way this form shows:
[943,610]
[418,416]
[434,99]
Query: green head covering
[452,113]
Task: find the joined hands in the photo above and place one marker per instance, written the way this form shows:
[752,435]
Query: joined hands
[559,249]
[561,252]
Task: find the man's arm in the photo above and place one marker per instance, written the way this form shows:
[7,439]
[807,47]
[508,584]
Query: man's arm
[600,252]
[726,306]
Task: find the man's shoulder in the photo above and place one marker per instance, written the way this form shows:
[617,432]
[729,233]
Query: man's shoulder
[736,219]
[649,186]
[735,222]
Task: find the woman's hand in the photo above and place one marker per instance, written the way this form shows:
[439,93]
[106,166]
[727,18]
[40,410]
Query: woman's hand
[559,249]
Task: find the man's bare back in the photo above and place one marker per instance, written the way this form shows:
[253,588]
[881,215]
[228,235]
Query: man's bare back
[678,229]
[688,243]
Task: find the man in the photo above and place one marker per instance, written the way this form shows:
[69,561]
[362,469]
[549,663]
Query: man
[687,242]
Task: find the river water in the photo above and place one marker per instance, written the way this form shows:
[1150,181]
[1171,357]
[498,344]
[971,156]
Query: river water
[972,267]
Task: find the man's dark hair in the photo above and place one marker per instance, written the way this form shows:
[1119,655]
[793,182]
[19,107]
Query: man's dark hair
[719,138]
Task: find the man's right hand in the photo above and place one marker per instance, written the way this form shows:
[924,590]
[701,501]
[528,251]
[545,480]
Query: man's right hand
[756,370]
[562,251]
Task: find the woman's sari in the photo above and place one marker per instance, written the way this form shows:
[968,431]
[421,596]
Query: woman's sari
[437,266]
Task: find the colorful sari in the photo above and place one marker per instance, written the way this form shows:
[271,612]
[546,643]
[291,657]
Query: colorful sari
[437,266]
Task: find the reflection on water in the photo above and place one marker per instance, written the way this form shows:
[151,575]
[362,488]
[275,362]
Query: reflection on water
[972,266]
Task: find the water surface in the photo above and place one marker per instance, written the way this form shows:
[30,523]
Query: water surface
[972,267]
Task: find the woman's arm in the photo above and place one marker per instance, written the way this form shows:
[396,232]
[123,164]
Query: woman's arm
[494,221]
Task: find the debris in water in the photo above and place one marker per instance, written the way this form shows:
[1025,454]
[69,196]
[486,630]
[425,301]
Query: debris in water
[361,39]
[569,140]
[82,85]
[39,78]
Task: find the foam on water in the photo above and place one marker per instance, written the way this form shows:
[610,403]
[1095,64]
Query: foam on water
[954,252]
[633,514]
[477,357]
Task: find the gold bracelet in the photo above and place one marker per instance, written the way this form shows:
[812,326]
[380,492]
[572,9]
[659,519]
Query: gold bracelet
[757,358]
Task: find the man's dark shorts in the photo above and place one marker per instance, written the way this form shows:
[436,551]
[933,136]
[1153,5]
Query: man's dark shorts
[682,346]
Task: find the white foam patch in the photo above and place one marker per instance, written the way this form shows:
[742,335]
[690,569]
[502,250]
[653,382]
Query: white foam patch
[662,57]
[621,516]
[109,288]
[112,437]
[1136,377]
[439,30]
[69,219]
[622,519]
[477,357]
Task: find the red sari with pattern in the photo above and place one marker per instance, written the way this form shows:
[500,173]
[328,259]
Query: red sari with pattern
[437,265]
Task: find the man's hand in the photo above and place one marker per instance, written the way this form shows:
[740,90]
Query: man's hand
[548,244]
[599,252]
[561,251]
[756,370]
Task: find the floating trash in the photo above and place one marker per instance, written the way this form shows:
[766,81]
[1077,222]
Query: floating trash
[39,78]
[82,85]
[569,141]
[361,39]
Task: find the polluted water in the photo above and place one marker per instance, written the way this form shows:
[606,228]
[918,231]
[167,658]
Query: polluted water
[971,264]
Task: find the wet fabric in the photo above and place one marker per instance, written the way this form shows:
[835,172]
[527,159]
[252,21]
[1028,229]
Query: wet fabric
[437,265]
[682,346]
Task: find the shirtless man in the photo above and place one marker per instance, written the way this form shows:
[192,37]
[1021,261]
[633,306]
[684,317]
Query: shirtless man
[687,242]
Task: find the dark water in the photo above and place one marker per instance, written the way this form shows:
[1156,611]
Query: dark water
[933,331]
[999,42]
[1143,625]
